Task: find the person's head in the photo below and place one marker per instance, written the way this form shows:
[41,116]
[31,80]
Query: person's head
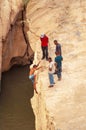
[57,53]
[49,59]
[55,42]
[34,66]
[42,35]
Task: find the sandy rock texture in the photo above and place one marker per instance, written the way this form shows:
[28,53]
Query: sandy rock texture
[62,107]
[13,46]
[8,11]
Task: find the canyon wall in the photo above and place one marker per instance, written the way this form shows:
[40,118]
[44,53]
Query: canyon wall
[63,106]
[14,43]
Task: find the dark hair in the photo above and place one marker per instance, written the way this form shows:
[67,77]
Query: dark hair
[49,58]
[57,52]
[34,66]
[55,40]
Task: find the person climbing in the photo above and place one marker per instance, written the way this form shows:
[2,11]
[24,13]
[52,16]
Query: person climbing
[58,60]
[32,75]
[51,71]
[44,45]
[58,47]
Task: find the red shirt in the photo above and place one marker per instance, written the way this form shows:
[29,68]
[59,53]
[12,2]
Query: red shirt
[44,41]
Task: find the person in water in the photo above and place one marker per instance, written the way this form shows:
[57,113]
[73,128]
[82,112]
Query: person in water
[32,75]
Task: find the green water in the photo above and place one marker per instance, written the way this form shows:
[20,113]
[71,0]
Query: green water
[15,108]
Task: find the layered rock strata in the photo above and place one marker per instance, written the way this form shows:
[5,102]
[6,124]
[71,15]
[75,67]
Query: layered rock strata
[63,106]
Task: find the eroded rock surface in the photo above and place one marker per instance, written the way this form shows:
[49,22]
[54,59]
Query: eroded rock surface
[14,47]
[63,106]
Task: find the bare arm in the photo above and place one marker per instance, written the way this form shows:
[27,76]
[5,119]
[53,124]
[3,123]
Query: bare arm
[38,63]
[38,68]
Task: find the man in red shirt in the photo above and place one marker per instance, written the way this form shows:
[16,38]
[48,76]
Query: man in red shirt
[44,46]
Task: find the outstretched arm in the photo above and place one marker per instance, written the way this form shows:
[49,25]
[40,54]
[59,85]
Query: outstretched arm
[38,63]
[38,68]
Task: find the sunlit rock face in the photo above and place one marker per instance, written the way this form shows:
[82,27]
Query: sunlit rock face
[13,45]
[8,11]
[63,106]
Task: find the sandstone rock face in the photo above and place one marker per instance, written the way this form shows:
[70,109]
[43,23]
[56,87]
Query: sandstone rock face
[12,37]
[8,11]
[63,106]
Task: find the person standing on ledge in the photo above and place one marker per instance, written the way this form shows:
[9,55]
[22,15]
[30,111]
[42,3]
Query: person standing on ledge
[58,60]
[58,47]
[51,71]
[44,46]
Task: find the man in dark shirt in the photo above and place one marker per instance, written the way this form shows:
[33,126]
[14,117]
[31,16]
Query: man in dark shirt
[58,60]
[58,47]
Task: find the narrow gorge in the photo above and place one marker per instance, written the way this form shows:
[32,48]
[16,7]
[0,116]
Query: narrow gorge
[14,42]
[63,106]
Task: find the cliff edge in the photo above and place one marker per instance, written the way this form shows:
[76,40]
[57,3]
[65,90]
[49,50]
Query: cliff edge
[63,106]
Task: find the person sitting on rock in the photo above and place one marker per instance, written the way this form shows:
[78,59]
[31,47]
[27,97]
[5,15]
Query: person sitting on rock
[58,60]
[32,75]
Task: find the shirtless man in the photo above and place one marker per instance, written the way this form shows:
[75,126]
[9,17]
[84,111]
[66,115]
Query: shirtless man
[32,75]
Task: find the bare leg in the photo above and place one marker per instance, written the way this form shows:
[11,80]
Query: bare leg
[35,84]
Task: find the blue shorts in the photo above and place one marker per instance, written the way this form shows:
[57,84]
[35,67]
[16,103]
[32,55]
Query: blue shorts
[31,77]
